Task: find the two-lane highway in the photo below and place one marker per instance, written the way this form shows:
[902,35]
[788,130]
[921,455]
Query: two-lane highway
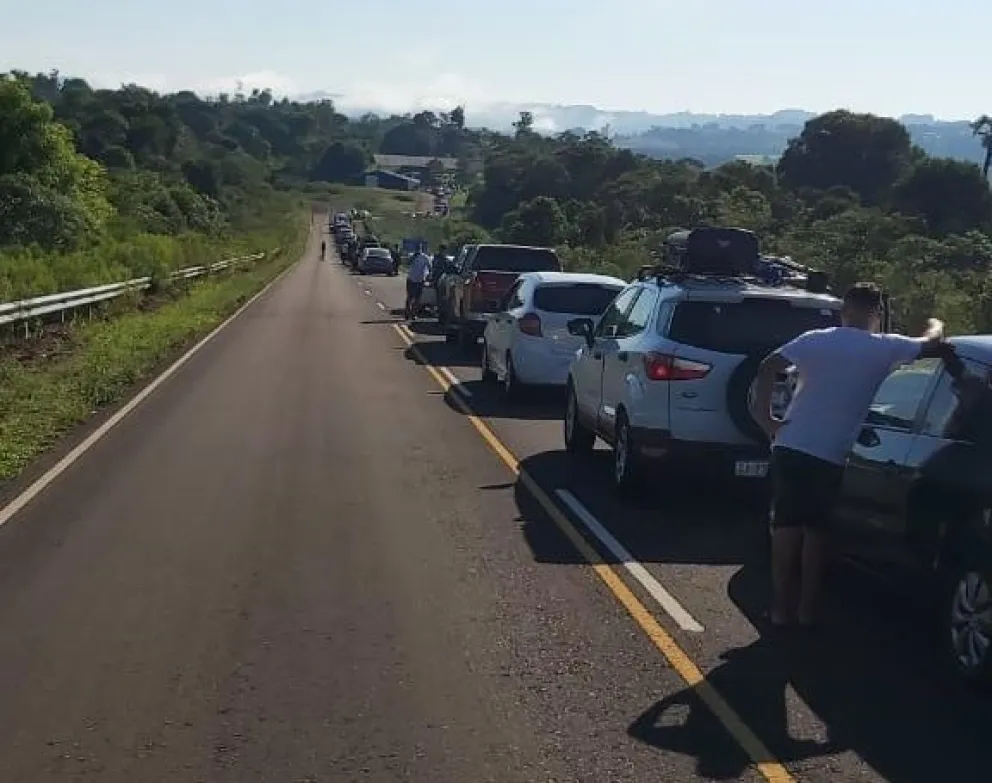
[293,562]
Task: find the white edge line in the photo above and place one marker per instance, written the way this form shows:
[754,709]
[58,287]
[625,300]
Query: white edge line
[666,600]
[42,482]
[456,384]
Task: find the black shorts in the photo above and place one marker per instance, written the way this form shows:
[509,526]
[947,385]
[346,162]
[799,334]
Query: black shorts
[804,489]
[414,290]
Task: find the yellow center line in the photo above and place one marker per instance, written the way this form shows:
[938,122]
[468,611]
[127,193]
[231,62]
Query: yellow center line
[767,765]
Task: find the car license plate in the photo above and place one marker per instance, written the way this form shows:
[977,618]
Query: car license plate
[751,469]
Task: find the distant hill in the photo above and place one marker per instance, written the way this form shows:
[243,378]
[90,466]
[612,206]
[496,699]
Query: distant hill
[711,138]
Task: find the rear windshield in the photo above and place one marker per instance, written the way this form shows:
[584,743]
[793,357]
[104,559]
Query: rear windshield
[576,298]
[742,327]
[516,259]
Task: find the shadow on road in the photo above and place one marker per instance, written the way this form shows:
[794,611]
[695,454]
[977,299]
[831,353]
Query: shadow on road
[871,676]
[439,354]
[488,401]
[678,519]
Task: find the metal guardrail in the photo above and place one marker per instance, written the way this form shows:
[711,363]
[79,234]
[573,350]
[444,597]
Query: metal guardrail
[26,309]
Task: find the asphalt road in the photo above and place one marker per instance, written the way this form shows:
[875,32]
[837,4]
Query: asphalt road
[302,559]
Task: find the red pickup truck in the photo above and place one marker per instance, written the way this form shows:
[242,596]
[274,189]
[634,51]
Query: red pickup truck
[477,287]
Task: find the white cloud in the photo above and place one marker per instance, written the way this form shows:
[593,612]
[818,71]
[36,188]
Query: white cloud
[441,93]
[112,81]
[261,80]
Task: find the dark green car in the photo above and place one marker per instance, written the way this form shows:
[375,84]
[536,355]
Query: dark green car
[916,503]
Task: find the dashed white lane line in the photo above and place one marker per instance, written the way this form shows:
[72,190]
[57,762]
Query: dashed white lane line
[665,600]
[380,305]
[367,292]
[455,382]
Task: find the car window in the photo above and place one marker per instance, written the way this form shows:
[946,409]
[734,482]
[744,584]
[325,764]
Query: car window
[510,298]
[901,394]
[640,314]
[615,313]
[509,258]
[754,324]
[578,299]
[961,410]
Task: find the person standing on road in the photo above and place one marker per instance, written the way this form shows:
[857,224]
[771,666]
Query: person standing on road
[416,276]
[323,249]
[839,370]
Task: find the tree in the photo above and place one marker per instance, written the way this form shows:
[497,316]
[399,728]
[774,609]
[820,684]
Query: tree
[951,195]
[51,194]
[861,151]
[341,162]
[982,128]
[540,221]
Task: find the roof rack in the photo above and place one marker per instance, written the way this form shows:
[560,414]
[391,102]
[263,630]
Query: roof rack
[772,271]
[782,270]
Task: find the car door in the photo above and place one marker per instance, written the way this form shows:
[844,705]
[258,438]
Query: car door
[499,330]
[587,370]
[622,357]
[604,348]
[877,476]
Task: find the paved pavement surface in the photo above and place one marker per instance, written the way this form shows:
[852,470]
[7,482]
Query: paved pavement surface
[303,559]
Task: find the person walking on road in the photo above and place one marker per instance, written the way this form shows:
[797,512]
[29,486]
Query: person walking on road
[416,276]
[839,370]
[323,249]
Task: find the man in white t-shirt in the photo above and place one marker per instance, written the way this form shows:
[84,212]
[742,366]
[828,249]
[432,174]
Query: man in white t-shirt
[839,370]
[416,275]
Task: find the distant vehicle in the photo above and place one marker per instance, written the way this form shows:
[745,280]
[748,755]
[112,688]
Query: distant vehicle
[484,276]
[527,341]
[376,260]
[668,371]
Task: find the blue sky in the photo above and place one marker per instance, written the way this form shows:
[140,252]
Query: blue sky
[727,56]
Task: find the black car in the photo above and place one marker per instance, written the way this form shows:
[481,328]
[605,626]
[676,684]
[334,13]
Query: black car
[916,503]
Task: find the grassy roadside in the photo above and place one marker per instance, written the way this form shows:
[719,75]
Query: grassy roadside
[40,401]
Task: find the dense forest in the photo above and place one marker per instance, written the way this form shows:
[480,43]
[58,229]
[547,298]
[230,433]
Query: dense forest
[100,179]
[851,194]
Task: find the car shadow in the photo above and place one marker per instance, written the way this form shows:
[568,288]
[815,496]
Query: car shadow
[488,401]
[678,518]
[871,675]
[439,354]
[427,328]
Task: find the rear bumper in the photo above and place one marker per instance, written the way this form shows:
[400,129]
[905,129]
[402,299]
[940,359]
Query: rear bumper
[710,458]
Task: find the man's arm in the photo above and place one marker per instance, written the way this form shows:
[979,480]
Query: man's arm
[764,386]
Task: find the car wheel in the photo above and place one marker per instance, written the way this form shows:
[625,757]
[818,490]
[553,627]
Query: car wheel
[968,621]
[488,376]
[626,465]
[466,340]
[578,439]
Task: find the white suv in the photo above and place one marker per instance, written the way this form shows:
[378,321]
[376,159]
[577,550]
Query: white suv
[669,369]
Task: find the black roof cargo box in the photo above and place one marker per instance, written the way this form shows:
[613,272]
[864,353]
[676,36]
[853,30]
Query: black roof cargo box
[723,252]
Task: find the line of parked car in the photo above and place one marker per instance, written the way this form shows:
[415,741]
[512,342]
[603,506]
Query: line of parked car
[662,369]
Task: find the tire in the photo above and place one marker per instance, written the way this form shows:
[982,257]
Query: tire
[626,464]
[578,438]
[964,621]
[488,376]
[466,340]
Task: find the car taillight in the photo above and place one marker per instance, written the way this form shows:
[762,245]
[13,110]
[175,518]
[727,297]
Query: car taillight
[530,324]
[662,367]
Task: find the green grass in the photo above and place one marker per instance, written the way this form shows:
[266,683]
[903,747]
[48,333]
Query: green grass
[41,400]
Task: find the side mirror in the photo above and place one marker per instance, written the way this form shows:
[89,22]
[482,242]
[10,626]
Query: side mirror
[581,327]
